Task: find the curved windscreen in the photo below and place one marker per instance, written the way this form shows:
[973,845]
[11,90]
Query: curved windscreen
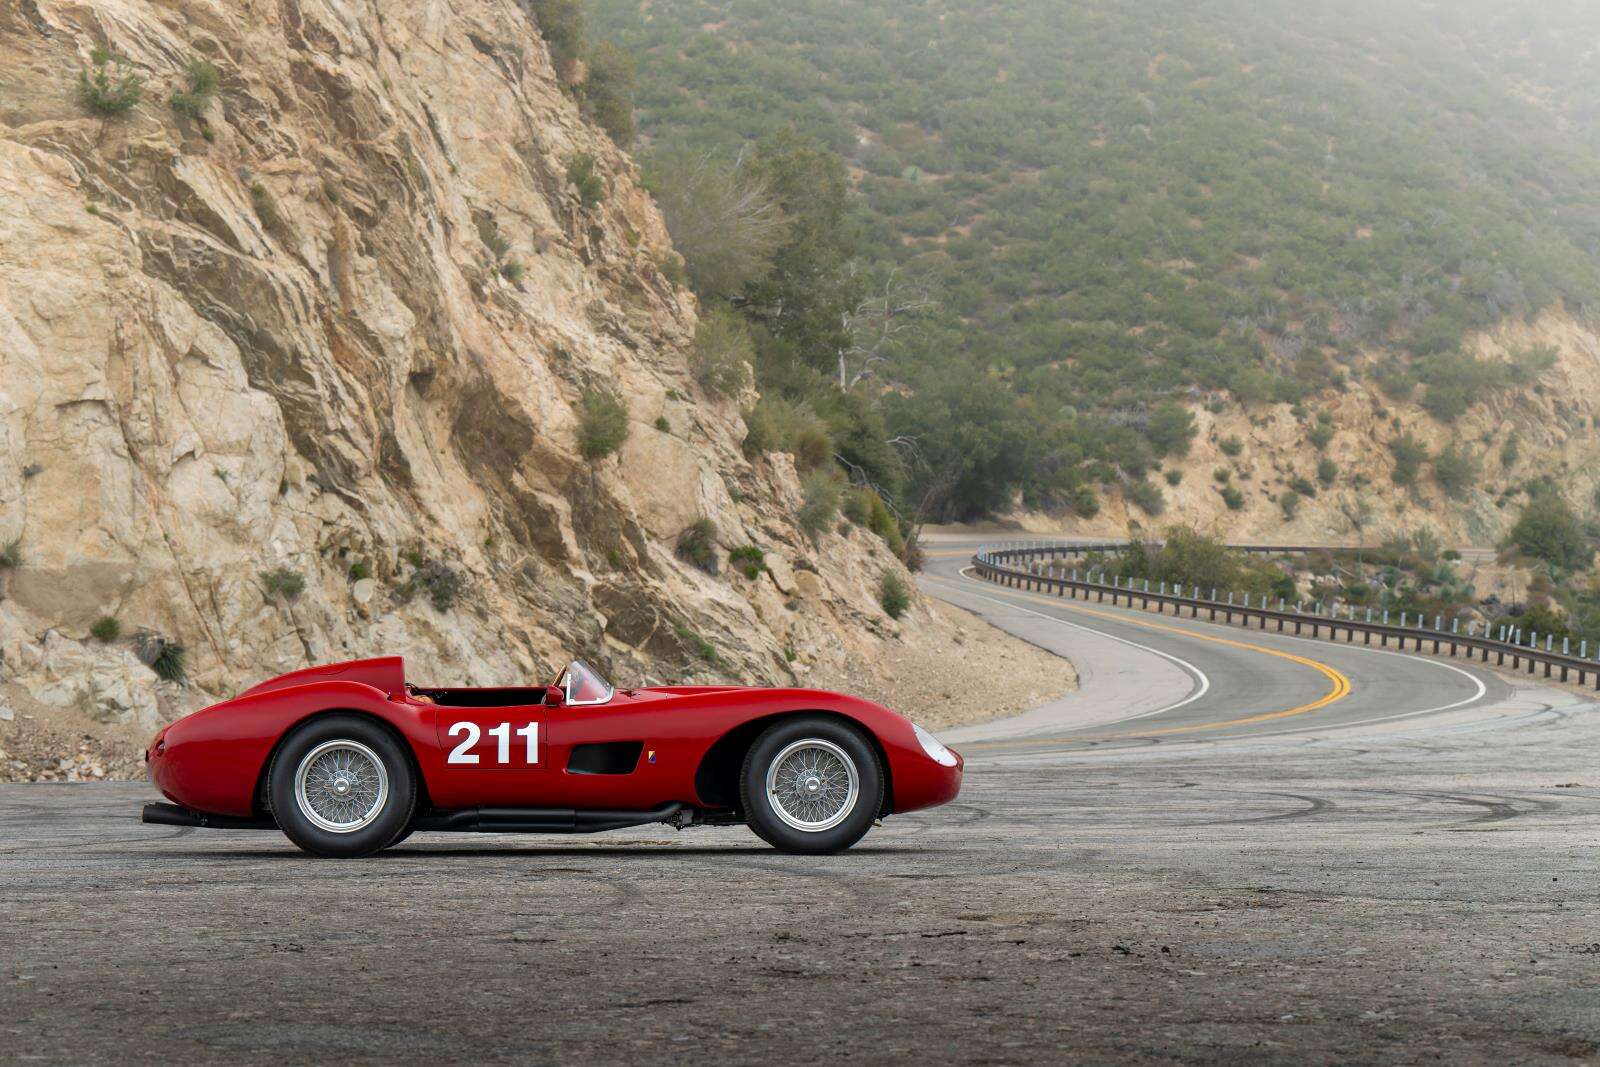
[582,684]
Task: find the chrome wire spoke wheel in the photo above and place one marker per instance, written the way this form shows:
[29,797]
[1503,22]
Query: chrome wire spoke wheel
[341,786]
[813,785]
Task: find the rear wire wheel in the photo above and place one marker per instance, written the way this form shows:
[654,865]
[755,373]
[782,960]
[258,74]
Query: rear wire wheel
[811,784]
[342,785]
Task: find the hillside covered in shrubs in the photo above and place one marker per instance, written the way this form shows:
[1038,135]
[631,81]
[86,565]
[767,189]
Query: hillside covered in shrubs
[1024,242]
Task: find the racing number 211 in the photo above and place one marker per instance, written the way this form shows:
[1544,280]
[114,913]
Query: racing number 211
[463,753]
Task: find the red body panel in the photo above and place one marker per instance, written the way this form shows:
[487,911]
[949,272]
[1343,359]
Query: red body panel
[213,761]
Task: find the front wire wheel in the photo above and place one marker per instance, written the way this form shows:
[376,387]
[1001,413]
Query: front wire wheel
[811,784]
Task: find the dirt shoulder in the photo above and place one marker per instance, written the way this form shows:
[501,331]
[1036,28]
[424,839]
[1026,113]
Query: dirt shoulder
[962,672]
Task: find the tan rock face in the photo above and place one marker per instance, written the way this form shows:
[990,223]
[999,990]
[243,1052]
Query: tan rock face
[276,337]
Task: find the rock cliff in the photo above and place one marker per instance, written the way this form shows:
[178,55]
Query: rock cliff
[1548,429]
[292,371]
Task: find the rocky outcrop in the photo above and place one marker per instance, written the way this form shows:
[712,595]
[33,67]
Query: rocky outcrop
[294,374]
[1552,427]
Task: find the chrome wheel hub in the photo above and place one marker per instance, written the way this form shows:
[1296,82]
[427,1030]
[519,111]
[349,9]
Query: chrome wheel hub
[813,785]
[341,786]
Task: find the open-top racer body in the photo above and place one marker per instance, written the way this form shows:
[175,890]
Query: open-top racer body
[348,759]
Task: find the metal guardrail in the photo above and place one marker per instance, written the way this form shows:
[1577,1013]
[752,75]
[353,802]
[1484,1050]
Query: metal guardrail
[1015,567]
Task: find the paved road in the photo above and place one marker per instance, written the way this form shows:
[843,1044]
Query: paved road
[1362,880]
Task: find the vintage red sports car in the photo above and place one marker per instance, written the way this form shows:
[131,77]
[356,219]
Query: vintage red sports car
[350,758]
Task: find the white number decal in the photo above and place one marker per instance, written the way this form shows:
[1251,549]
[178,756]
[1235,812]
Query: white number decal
[459,754]
[531,732]
[501,734]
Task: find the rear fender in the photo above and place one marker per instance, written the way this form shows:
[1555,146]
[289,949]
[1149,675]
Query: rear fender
[213,760]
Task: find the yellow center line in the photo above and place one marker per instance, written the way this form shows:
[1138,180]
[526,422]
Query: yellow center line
[1341,683]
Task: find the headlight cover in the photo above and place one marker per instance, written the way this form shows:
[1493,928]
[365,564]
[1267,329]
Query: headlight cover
[934,747]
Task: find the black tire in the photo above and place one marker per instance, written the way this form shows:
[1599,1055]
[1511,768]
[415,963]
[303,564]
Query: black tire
[830,739]
[387,818]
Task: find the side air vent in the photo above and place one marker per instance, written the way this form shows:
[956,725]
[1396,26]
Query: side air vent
[612,757]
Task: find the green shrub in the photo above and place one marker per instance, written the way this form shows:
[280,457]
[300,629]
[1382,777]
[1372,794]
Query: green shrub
[1302,485]
[1395,378]
[879,519]
[1232,497]
[779,425]
[1085,502]
[1170,429]
[1290,503]
[1408,455]
[1174,477]
[1148,497]
[1510,452]
[1320,435]
[748,560]
[170,661]
[203,79]
[893,594]
[512,271]
[106,629]
[1548,529]
[489,233]
[360,571]
[1222,475]
[1231,446]
[724,220]
[602,423]
[662,424]
[1456,470]
[1327,470]
[697,644]
[284,583]
[266,206]
[560,23]
[822,496]
[584,174]
[105,89]
[11,555]
[698,545]
[608,91]
[722,353]
[443,585]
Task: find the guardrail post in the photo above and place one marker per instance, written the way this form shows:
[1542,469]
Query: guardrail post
[1583,649]
[1549,642]
[1566,646]
[1386,617]
[1402,621]
[1455,625]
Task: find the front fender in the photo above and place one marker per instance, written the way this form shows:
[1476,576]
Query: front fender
[211,761]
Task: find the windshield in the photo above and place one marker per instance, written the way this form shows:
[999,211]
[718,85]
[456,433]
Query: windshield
[582,684]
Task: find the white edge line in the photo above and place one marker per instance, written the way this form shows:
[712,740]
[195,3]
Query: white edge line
[1195,694]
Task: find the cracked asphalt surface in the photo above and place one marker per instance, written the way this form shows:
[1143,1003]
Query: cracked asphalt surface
[1338,885]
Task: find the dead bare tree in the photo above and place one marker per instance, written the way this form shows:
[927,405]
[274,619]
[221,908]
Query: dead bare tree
[881,322]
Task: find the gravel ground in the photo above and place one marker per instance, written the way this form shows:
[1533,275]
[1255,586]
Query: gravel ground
[1407,898]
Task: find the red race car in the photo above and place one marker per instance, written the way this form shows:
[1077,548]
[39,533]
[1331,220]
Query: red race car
[350,758]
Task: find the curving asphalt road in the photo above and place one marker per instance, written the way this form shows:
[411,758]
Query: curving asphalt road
[1148,678]
[1224,847]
